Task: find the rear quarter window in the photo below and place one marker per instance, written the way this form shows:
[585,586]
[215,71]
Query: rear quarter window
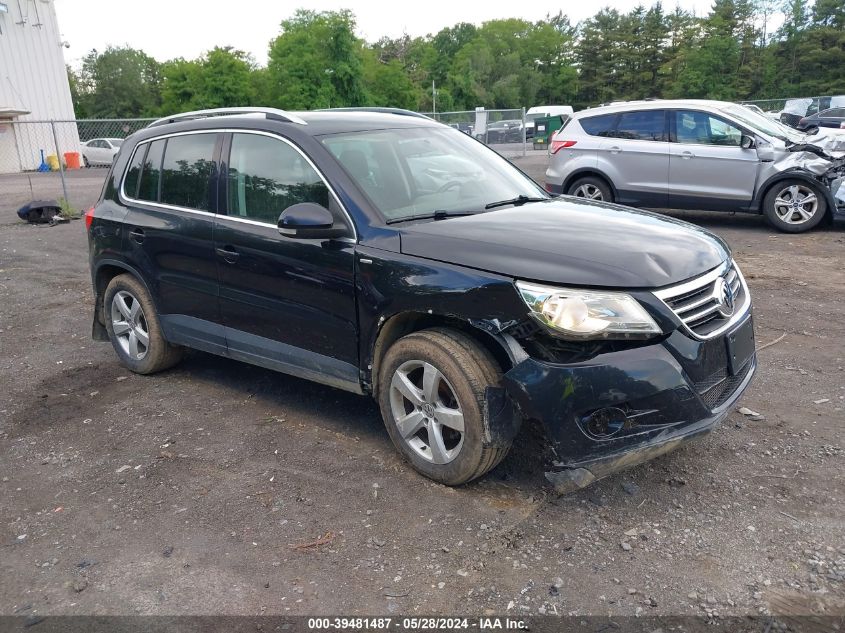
[601,125]
[151,172]
[185,172]
[130,184]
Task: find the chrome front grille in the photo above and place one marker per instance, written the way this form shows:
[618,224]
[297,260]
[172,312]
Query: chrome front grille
[710,304]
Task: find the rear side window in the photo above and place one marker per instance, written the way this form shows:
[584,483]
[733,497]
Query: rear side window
[186,170]
[601,125]
[266,176]
[151,172]
[130,185]
[647,125]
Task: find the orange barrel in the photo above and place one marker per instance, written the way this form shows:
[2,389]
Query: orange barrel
[72,160]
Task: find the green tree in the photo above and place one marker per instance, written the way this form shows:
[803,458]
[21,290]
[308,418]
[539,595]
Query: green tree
[77,92]
[316,62]
[722,65]
[224,79]
[387,83]
[597,57]
[120,82]
[179,86]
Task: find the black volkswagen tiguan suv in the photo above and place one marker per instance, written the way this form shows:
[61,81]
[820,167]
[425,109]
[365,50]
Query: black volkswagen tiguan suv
[386,254]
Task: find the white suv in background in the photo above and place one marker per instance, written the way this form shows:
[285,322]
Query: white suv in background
[695,154]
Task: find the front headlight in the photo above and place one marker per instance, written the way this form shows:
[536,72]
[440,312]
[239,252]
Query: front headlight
[588,314]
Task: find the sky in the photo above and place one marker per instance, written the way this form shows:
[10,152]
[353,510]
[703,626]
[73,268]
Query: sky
[166,29]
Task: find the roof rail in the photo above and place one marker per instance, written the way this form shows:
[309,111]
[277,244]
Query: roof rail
[269,113]
[381,110]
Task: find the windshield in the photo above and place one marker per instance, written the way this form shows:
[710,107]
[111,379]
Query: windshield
[419,171]
[762,123]
[535,116]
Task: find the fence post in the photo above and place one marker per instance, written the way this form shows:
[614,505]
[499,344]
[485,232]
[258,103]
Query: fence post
[524,133]
[59,156]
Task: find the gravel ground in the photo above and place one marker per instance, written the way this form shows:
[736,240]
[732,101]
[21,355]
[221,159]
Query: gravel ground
[220,488]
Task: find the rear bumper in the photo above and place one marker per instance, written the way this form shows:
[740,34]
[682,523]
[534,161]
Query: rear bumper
[663,396]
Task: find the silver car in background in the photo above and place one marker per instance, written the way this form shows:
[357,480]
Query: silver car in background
[695,154]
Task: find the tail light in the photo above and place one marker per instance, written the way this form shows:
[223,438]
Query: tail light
[556,145]
[89,218]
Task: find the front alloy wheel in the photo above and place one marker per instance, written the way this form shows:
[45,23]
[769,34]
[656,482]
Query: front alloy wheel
[426,412]
[794,206]
[432,392]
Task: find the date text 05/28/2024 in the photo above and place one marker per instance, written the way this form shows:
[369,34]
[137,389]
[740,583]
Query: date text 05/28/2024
[417,624]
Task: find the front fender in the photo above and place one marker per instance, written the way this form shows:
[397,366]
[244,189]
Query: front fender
[398,294]
[794,174]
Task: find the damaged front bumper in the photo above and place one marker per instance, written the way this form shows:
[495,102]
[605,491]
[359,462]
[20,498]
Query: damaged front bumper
[823,157]
[623,408]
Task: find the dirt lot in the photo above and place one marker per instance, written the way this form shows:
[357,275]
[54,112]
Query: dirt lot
[196,491]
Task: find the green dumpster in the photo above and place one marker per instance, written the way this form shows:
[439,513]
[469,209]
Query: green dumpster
[545,127]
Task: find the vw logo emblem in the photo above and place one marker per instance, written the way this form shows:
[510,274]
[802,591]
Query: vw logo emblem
[724,297]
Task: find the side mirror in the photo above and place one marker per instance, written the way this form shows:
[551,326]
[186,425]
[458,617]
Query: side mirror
[308,220]
[746,142]
[765,151]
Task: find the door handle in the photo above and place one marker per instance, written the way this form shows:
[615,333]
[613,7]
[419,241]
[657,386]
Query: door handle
[137,235]
[687,155]
[615,149]
[228,253]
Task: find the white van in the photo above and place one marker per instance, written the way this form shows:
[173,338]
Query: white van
[541,112]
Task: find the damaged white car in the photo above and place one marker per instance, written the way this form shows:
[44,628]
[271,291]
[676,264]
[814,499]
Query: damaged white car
[696,154]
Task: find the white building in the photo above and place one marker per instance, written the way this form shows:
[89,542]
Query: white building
[33,85]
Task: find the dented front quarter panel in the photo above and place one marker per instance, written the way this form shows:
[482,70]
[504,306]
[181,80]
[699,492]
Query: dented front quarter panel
[819,158]
[390,283]
[821,155]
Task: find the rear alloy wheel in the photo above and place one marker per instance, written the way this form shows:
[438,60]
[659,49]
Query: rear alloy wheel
[793,206]
[134,328]
[591,189]
[432,390]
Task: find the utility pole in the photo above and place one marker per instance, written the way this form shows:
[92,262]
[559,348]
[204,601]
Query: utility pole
[433,98]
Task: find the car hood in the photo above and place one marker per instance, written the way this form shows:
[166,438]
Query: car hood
[571,242]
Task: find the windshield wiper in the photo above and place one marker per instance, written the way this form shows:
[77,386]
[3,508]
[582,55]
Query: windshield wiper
[517,202]
[435,215]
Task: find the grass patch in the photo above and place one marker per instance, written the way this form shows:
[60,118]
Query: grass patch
[68,211]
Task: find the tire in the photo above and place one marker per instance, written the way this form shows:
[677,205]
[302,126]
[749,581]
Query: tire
[128,307]
[85,161]
[591,188]
[789,218]
[464,370]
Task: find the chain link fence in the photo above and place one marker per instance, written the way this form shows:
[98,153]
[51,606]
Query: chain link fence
[504,130]
[58,160]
